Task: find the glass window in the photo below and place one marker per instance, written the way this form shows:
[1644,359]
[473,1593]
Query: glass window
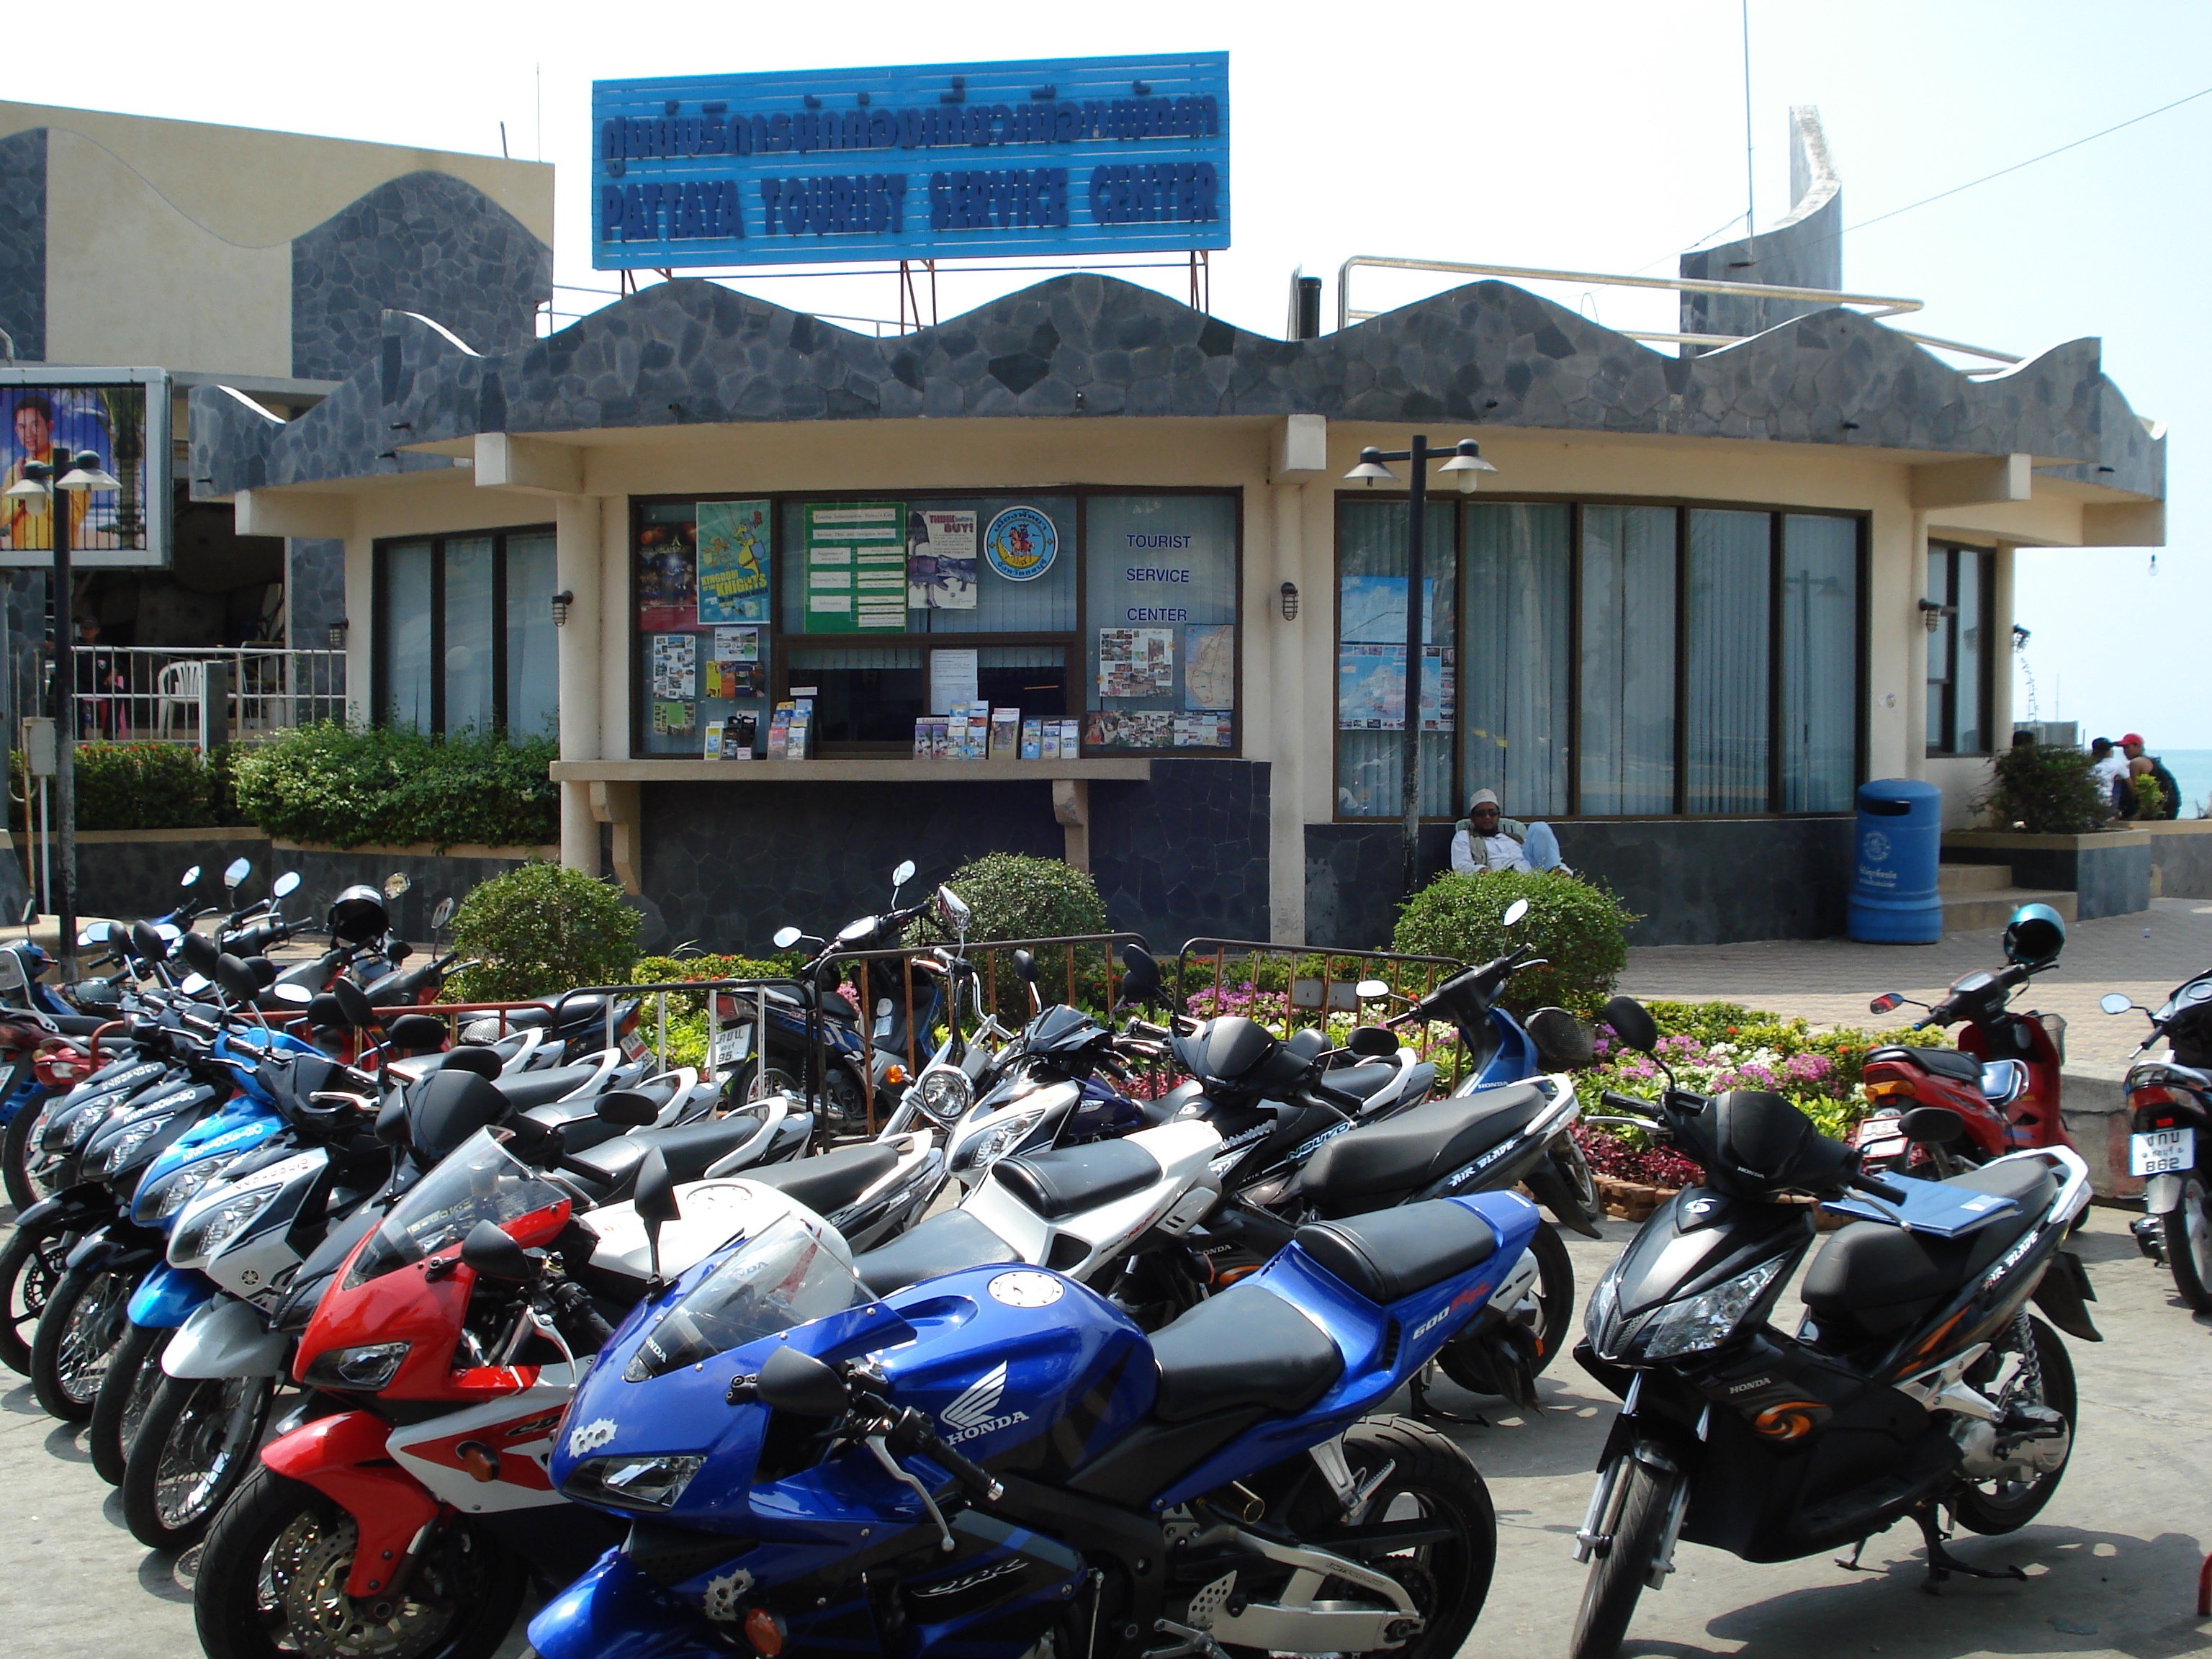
[464,636]
[1515,662]
[533,678]
[1160,601]
[1970,734]
[1959,663]
[1726,652]
[405,636]
[864,694]
[468,629]
[1627,737]
[1819,662]
[1370,663]
[1938,593]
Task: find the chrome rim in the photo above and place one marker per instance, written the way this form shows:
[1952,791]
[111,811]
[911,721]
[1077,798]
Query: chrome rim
[141,1396]
[215,1431]
[27,1295]
[2197,1227]
[306,1610]
[88,1342]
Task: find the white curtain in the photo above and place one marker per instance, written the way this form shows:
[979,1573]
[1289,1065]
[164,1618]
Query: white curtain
[1515,661]
[1628,660]
[1725,722]
[1819,662]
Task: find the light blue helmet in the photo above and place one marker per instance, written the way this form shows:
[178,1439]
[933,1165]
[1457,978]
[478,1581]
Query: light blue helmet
[2035,935]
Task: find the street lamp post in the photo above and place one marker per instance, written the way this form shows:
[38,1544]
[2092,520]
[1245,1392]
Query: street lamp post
[85,472]
[1464,463]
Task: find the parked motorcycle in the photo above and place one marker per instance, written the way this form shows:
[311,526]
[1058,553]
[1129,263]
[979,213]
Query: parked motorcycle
[2003,1079]
[1918,1381]
[2170,1103]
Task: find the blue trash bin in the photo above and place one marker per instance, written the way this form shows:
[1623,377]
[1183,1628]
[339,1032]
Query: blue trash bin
[1897,846]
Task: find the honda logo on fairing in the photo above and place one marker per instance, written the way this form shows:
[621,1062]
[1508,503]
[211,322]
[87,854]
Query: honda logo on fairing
[976,1411]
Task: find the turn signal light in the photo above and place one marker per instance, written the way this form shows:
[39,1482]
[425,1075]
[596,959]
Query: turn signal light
[1891,1090]
[765,1632]
[894,1075]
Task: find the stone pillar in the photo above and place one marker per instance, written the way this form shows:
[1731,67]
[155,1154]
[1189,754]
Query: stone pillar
[2003,656]
[577,570]
[1286,814]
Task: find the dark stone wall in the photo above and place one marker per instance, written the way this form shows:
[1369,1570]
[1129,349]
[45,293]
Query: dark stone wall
[1185,854]
[23,241]
[426,242]
[2106,880]
[324,874]
[1694,881]
[130,879]
[315,570]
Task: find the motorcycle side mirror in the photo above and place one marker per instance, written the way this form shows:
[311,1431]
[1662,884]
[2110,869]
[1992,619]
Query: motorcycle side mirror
[903,875]
[1889,1002]
[655,1203]
[442,914]
[30,912]
[1370,990]
[395,884]
[2112,1002]
[792,1380]
[1562,1039]
[237,980]
[491,1252]
[1141,981]
[631,1108]
[286,884]
[1936,1125]
[352,1004]
[397,951]
[1632,1021]
[200,953]
[96,935]
[235,873]
[299,996]
[1514,912]
[1025,968]
[952,910]
[192,877]
[787,936]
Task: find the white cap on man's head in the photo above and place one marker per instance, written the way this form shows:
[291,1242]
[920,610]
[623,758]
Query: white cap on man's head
[1482,798]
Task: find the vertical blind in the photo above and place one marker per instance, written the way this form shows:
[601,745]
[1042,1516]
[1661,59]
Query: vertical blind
[1628,659]
[1726,650]
[406,636]
[464,638]
[1819,662]
[1372,545]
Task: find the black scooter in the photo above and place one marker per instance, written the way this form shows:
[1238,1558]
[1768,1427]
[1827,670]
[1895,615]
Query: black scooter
[2170,1142]
[1918,1382]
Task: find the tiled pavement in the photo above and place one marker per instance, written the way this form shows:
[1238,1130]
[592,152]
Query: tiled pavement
[1828,981]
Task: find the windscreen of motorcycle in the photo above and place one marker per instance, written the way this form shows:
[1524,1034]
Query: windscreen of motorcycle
[481,1181]
[795,1270]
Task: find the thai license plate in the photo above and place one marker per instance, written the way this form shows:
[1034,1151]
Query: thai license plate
[732,1045]
[1874,1146]
[2161,1151]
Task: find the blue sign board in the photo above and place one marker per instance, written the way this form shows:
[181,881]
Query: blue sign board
[1067,156]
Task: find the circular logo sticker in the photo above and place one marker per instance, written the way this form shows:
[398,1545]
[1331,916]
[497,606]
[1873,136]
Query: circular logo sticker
[1021,543]
[1876,847]
[1025,1290]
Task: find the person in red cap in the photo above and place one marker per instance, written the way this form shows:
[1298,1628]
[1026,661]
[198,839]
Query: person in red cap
[2140,764]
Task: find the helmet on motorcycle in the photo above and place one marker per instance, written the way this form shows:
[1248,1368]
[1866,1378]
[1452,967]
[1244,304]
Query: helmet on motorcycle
[357,915]
[2035,935]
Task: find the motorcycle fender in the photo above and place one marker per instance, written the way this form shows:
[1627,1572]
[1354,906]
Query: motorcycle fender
[339,1456]
[2064,1294]
[1552,1194]
[2161,1193]
[227,1338]
[88,1201]
[169,1296]
[315,1406]
[613,1612]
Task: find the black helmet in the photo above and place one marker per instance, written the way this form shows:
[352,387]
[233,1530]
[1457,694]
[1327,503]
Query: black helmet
[2035,935]
[357,915]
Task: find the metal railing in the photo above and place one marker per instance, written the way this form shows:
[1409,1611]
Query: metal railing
[1882,305]
[152,694]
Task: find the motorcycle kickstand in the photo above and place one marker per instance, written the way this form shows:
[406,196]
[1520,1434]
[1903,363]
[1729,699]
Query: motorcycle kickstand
[1852,1566]
[1941,1564]
[1428,1411]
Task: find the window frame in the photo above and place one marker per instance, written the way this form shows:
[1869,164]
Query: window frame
[1776,512]
[1946,626]
[380,670]
[780,643]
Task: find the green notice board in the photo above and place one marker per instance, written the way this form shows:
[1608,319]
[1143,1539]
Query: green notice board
[855,564]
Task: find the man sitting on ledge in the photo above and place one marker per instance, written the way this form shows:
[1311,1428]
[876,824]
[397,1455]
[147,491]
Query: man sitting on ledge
[1486,839]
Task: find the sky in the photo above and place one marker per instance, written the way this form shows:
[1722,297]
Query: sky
[1581,134]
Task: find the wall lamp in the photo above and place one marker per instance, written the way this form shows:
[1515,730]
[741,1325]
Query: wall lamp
[2020,637]
[1932,614]
[1290,601]
[561,601]
[337,633]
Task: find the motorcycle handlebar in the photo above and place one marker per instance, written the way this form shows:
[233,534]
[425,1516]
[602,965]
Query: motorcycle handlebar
[1879,1187]
[912,1432]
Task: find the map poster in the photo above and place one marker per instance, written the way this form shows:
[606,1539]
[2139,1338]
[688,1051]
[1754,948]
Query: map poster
[1209,665]
[1371,610]
[667,577]
[1371,688]
[856,567]
[675,667]
[670,717]
[734,562]
[940,560]
[1136,662]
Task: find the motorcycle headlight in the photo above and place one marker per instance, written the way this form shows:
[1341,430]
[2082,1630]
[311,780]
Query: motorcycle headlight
[77,1129]
[176,1189]
[200,1238]
[997,1141]
[1603,1313]
[1696,1323]
[946,1092]
[125,1146]
[631,1483]
[363,1369]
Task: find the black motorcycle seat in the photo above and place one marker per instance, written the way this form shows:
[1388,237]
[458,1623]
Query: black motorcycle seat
[1393,1254]
[1057,1184]
[942,1244]
[1244,1347]
[76,1025]
[1874,1278]
[1389,1158]
[828,1183]
[529,1089]
[469,1058]
[1949,1063]
[1361,1080]
[689,1148]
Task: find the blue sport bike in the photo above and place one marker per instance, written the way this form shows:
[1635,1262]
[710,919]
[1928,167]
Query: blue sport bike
[997,1463]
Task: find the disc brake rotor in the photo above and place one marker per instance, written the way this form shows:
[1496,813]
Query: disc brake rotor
[305,1574]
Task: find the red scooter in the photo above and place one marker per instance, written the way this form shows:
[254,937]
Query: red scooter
[2001,1081]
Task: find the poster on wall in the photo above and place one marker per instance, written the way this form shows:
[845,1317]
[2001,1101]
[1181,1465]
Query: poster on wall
[1209,665]
[675,666]
[671,718]
[667,577]
[735,669]
[1203,730]
[734,562]
[1133,728]
[1021,543]
[1372,609]
[940,561]
[1371,688]
[856,567]
[1136,662]
[122,416]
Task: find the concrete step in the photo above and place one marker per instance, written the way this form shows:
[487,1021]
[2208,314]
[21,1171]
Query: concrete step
[1962,878]
[1968,913]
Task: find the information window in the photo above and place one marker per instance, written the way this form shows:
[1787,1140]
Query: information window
[1160,627]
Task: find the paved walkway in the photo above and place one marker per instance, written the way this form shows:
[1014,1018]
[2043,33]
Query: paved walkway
[1829,982]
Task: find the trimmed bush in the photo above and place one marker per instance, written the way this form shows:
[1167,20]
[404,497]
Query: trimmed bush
[2045,789]
[541,929]
[1013,896]
[1579,929]
[338,786]
[138,786]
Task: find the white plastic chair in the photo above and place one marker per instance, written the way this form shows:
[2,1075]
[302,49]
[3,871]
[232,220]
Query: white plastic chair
[182,684]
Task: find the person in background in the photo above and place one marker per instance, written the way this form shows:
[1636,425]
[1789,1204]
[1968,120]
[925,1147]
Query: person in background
[2110,770]
[1486,839]
[101,684]
[2139,763]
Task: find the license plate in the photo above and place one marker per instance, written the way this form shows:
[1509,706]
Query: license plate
[2161,1151]
[1882,1146]
[732,1045]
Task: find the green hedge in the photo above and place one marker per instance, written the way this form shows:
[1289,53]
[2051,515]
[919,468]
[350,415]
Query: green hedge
[539,930]
[2045,789]
[139,786]
[1580,930]
[1010,896]
[339,787]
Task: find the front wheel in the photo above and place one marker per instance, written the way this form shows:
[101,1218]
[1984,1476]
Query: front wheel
[79,1331]
[19,1150]
[30,1267]
[200,1438]
[120,1406]
[1625,1559]
[2188,1228]
[271,1581]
